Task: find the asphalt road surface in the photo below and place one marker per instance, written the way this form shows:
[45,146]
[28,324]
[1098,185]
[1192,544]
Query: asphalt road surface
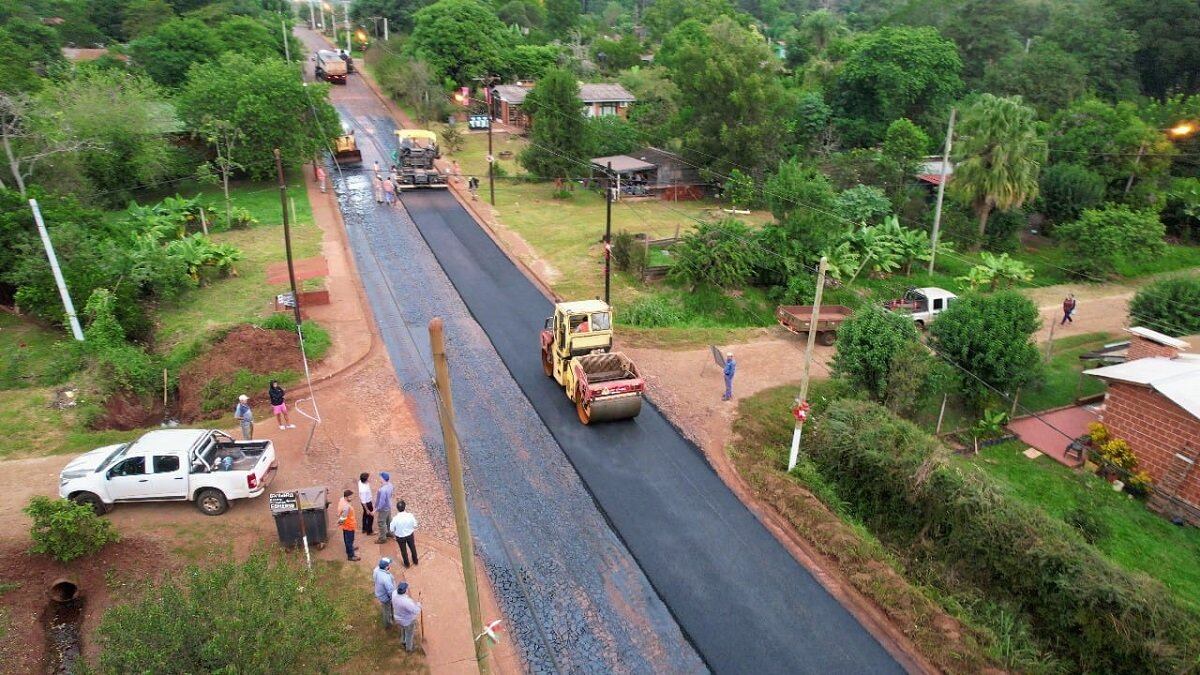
[574,598]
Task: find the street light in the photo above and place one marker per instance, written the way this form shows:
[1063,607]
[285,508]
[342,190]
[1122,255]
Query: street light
[1181,130]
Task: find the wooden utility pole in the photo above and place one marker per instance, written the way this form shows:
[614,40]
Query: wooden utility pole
[458,496]
[1050,341]
[287,238]
[941,192]
[1133,172]
[608,200]
[794,454]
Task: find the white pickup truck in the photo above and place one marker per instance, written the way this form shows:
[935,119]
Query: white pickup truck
[201,465]
[922,304]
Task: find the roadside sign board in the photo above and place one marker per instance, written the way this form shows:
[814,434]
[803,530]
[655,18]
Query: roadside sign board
[718,356]
[284,502]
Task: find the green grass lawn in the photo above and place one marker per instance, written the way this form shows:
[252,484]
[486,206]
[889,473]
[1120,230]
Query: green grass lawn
[1063,381]
[30,427]
[1138,540]
[29,352]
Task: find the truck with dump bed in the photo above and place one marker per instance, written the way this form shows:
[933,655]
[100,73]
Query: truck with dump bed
[577,353]
[204,466]
[416,159]
[798,319]
[330,66]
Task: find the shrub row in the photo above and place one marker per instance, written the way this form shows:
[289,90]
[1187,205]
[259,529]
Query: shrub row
[897,480]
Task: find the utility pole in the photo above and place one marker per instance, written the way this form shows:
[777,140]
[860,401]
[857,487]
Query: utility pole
[608,200]
[937,210]
[458,495]
[346,13]
[287,238]
[58,277]
[801,398]
[385,29]
[1050,340]
[1133,172]
[287,52]
[487,82]
[312,17]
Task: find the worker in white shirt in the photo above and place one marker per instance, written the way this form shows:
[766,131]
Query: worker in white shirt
[402,526]
[367,500]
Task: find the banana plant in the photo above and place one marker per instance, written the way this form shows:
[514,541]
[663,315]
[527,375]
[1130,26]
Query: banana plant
[878,249]
[994,269]
[841,260]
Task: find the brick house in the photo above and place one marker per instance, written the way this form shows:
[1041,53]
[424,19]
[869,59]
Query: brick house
[1153,403]
[599,100]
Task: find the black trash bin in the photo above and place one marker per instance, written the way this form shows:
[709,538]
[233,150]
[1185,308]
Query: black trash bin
[309,503]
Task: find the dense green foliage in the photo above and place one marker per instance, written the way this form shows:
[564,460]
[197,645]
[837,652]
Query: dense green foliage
[65,530]
[714,253]
[1102,238]
[559,143]
[460,39]
[1091,613]
[868,343]
[989,338]
[1066,190]
[261,615]
[1170,306]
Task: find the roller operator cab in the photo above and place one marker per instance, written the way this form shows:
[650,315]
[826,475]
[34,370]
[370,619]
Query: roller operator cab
[577,352]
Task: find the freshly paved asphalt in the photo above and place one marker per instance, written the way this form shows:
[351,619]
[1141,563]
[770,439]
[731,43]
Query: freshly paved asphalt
[573,597]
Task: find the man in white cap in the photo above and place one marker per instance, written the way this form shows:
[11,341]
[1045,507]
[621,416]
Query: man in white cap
[385,585]
[244,416]
[730,369]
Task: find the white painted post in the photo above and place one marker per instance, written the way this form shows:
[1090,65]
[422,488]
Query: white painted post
[58,277]
[793,455]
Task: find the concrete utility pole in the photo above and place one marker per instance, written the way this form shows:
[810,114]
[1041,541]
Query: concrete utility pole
[802,397]
[608,200]
[385,29]
[312,17]
[346,13]
[937,210]
[287,238]
[287,52]
[58,277]
[458,495]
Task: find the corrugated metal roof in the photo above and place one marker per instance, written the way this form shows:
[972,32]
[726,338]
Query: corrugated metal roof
[623,163]
[605,93]
[1178,379]
[511,93]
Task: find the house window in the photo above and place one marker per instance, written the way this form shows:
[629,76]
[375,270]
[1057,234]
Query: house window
[607,109]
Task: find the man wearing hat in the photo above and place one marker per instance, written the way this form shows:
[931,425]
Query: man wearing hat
[385,585]
[383,507]
[730,369]
[244,417]
[405,611]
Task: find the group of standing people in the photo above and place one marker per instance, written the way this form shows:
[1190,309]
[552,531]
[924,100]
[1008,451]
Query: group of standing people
[377,508]
[386,186]
[395,605]
[244,414]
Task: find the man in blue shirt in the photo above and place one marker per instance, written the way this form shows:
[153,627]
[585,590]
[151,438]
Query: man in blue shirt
[385,585]
[730,369]
[383,507]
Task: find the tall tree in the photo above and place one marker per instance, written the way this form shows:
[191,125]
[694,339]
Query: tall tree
[561,16]
[559,141]
[28,137]
[1108,139]
[268,102]
[731,99]
[143,16]
[167,52]
[998,156]
[1168,53]
[399,13]
[1043,75]
[894,73]
[461,39]
[664,15]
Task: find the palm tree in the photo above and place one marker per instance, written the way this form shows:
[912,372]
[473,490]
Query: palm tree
[998,156]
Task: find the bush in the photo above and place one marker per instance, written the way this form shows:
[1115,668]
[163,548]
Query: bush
[715,253]
[629,254]
[65,530]
[316,338]
[1091,526]
[654,311]
[1004,230]
[867,343]
[1103,238]
[217,393]
[1170,306]
[122,366]
[1066,190]
[898,481]
[259,616]
[862,204]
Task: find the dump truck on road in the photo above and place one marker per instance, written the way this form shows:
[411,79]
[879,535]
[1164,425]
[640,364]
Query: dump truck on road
[415,158]
[330,67]
[577,353]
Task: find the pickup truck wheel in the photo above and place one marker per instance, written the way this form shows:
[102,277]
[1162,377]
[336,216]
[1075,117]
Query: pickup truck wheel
[94,501]
[211,502]
[547,364]
[584,410]
[826,337]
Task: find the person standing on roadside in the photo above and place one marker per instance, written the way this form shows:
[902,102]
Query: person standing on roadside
[389,192]
[368,503]
[321,177]
[1068,309]
[383,506]
[405,611]
[730,369]
[403,525]
[245,417]
[385,586]
[278,406]
[346,521]
[377,181]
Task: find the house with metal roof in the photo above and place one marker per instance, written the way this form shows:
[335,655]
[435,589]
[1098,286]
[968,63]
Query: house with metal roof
[599,100]
[1153,403]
